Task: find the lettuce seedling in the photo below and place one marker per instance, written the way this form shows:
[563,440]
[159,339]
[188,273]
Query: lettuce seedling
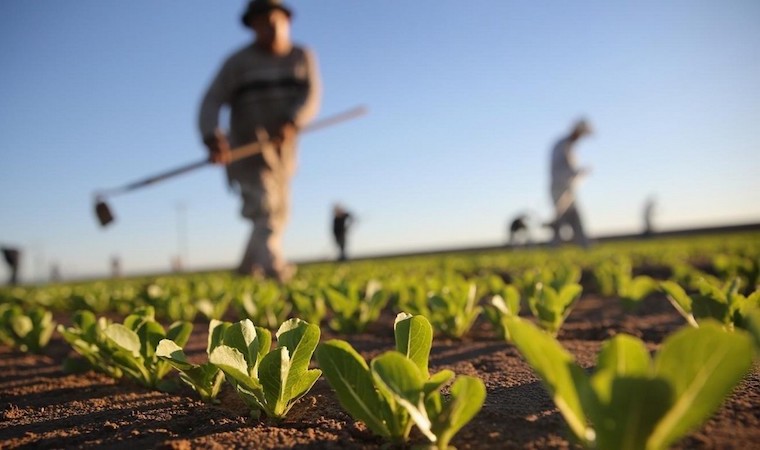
[274,381]
[438,418]
[551,306]
[170,298]
[264,304]
[501,307]
[605,276]
[354,309]
[214,308]
[27,332]
[349,375]
[725,305]
[412,296]
[632,290]
[86,335]
[753,326]
[615,276]
[205,379]
[396,391]
[632,401]
[731,266]
[555,277]
[310,305]
[132,346]
[454,309]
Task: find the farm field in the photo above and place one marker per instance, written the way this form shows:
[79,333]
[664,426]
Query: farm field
[46,405]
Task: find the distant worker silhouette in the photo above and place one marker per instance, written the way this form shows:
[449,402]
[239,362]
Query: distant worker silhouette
[518,231]
[272,89]
[342,221]
[649,207]
[564,177]
[12,257]
[115,267]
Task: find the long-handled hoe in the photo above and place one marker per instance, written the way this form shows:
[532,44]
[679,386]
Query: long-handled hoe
[105,215]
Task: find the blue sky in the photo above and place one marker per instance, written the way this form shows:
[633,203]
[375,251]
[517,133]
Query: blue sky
[465,103]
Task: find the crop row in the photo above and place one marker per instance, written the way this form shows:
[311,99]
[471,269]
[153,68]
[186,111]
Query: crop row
[631,400]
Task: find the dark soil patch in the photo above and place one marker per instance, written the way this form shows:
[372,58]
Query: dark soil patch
[42,407]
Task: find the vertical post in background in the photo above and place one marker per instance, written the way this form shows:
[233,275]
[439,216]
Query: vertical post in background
[182,256]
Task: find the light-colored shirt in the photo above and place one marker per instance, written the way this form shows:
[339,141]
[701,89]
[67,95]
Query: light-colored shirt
[563,167]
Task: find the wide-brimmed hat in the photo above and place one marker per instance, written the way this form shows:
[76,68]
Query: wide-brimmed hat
[261,6]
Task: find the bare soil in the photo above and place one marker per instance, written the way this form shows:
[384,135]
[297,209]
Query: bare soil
[43,407]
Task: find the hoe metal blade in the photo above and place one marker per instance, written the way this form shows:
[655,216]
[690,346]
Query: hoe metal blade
[103,212]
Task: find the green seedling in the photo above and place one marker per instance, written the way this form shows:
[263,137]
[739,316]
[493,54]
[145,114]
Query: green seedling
[269,381]
[555,277]
[396,391]
[753,326]
[632,401]
[27,332]
[723,304]
[454,309]
[264,304]
[215,307]
[310,305]
[632,290]
[132,346]
[615,276]
[205,379]
[551,306]
[354,309]
[170,299]
[743,267]
[86,335]
[501,307]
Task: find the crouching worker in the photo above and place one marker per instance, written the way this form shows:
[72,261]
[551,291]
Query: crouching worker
[272,89]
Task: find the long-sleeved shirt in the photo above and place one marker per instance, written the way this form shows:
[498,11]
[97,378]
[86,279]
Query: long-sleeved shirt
[563,167]
[262,90]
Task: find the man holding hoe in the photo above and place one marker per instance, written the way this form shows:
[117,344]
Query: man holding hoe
[272,89]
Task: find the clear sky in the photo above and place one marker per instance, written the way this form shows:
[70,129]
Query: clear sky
[466,100]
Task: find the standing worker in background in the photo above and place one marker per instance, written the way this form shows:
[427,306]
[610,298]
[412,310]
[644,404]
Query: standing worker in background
[649,207]
[342,221]
[12,257]
[272,88]
[564,175]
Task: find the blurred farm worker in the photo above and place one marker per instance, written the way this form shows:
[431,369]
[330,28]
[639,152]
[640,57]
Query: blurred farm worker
[518,231]
[272,89]
[649,207]
[12,257]
[564,176]
[342,221]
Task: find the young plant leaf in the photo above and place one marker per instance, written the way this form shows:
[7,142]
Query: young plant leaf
[205,379]
[124,338]
[414,338]
[557,369]
[401,379]
[234,365]
[702,366]
[625,403]
[349,376]
[466,400]
[680,300]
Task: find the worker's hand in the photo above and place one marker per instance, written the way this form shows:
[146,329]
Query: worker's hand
[218,148]
[287,133]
